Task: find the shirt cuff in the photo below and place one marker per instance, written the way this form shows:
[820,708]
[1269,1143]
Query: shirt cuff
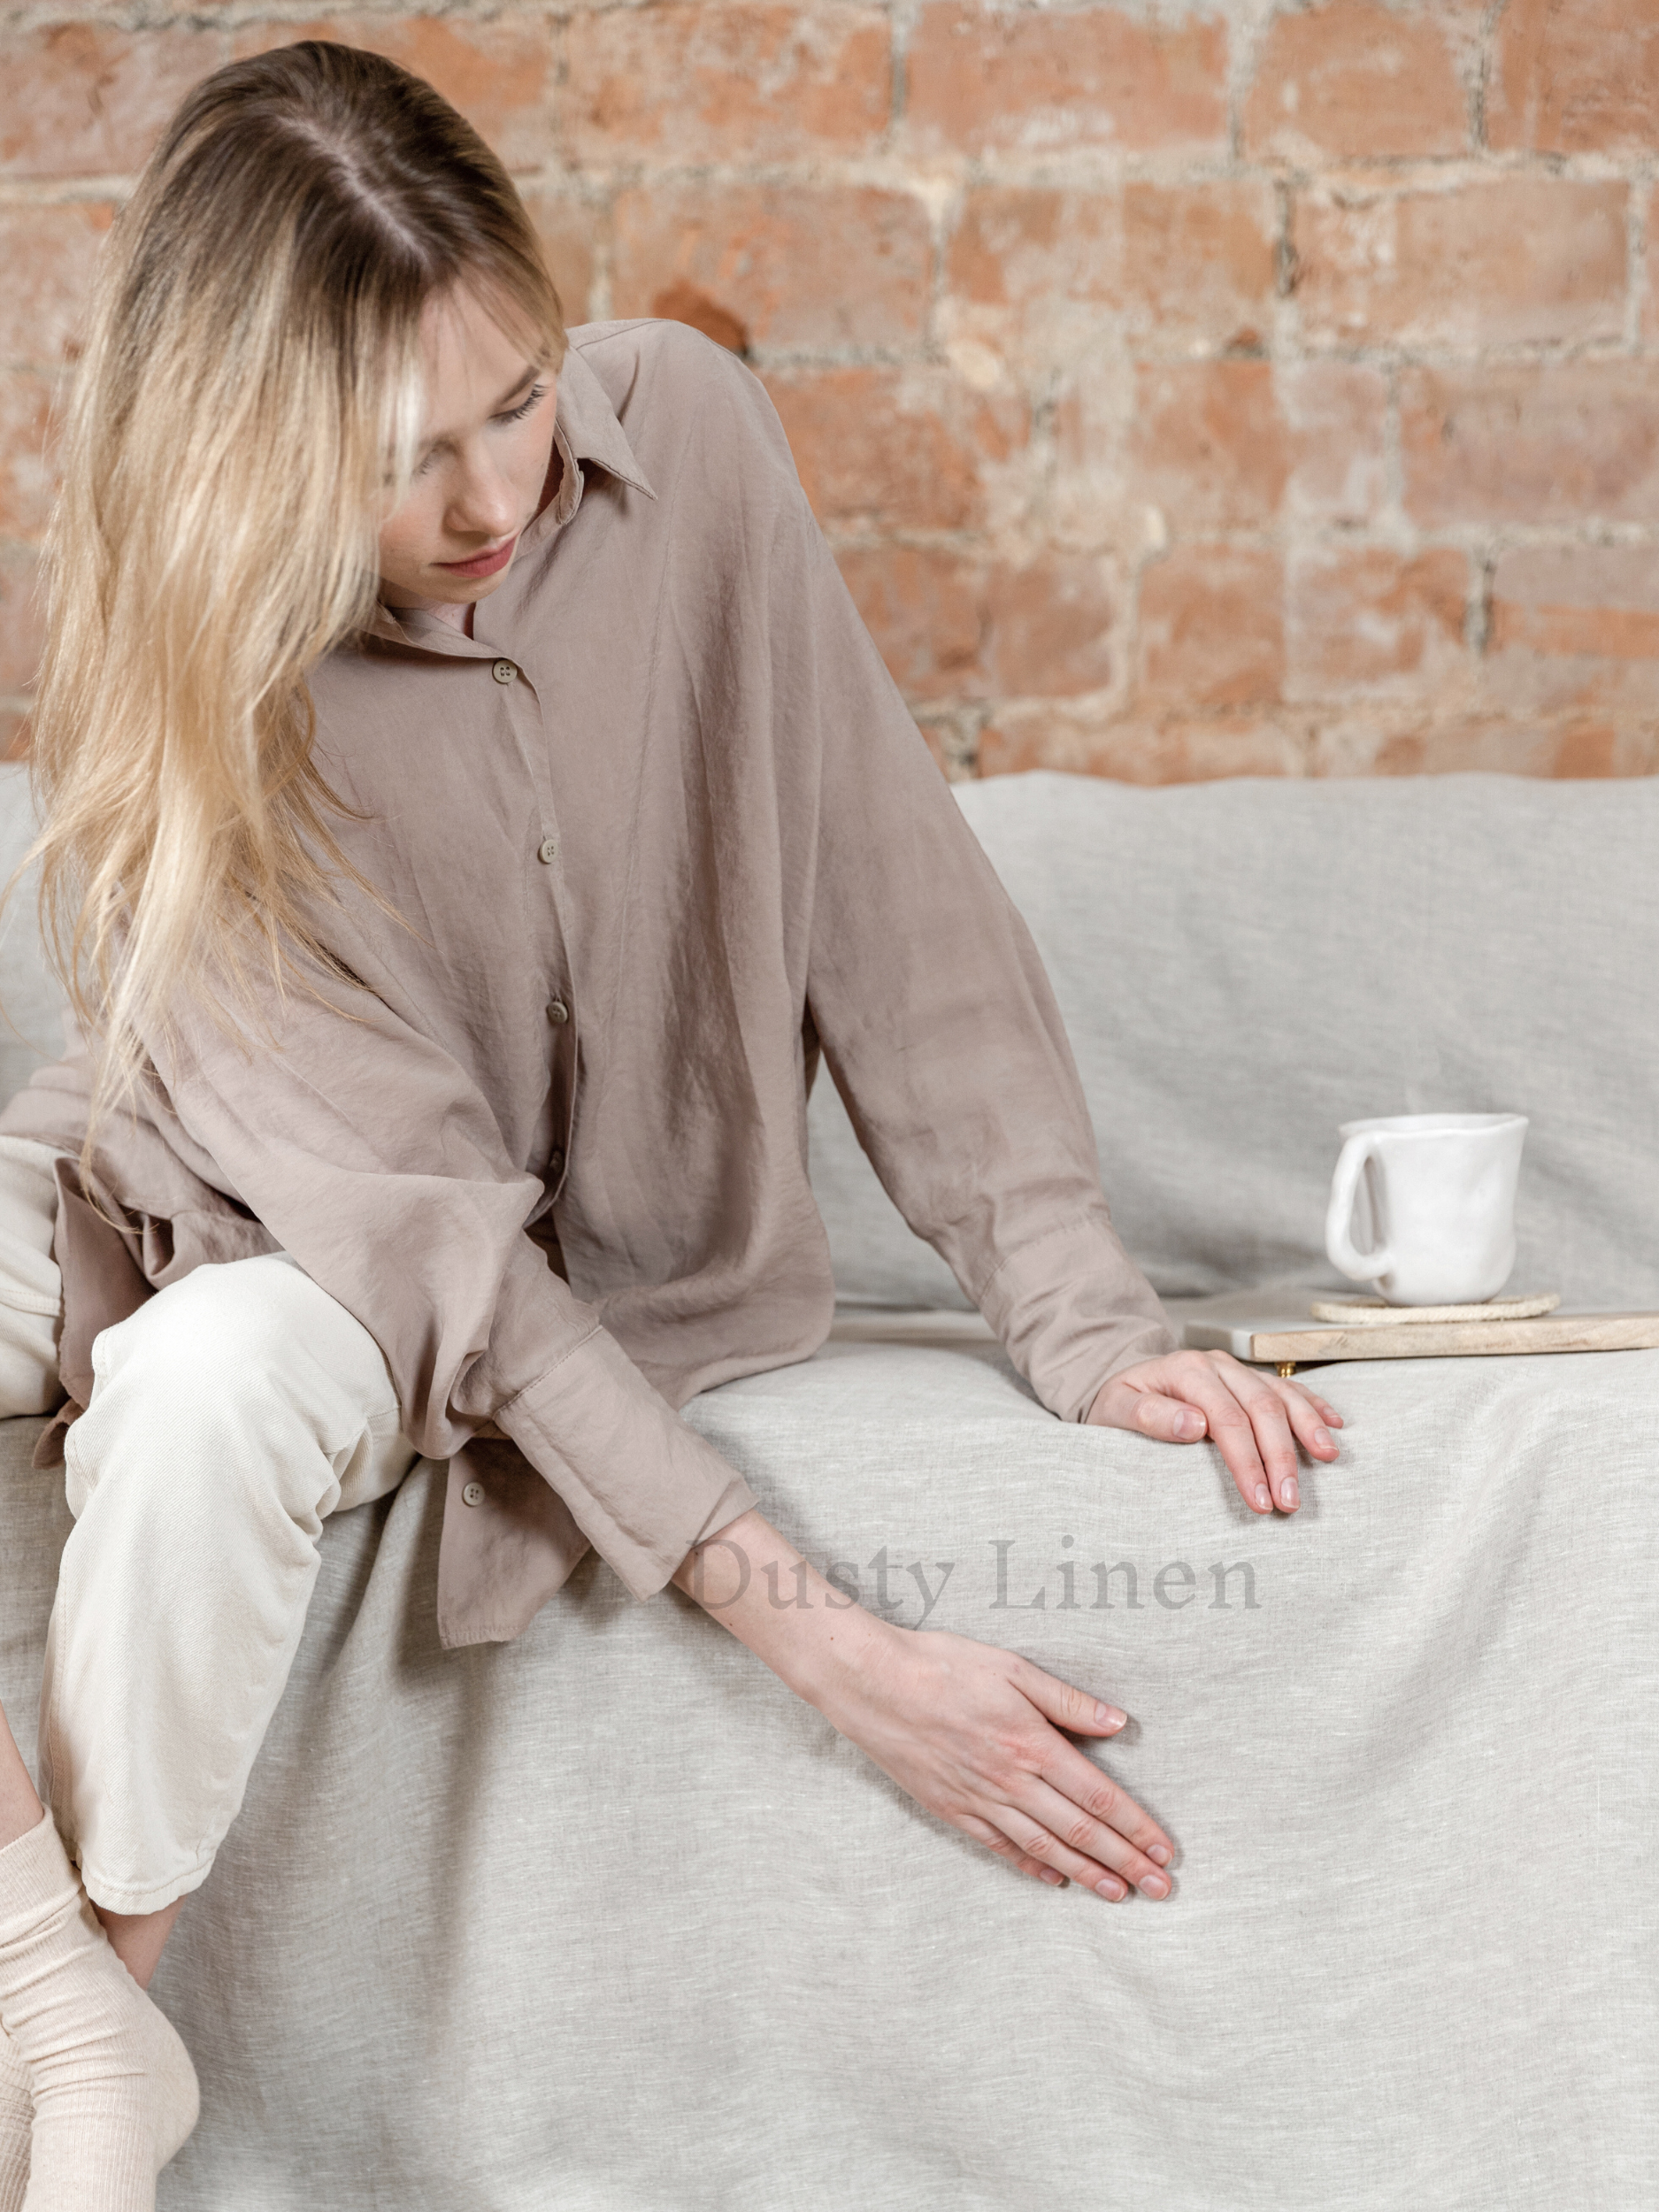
[641,1486]
[1073,1310]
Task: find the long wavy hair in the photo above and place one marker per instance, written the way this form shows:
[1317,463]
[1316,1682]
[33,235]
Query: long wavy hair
[245,415]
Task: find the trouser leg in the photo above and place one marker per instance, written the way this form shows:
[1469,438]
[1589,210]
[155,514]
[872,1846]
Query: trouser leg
[30,1292]
[229,1415]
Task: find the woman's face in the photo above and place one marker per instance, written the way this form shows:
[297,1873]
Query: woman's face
[481,465]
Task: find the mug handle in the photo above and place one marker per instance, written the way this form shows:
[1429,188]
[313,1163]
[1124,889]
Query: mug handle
[1360,1267]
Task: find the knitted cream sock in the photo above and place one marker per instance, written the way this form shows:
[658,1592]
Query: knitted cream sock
[17,2117]
[113,2087]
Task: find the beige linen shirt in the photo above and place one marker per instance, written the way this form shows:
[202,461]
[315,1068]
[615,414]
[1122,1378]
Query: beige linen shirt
[656,837]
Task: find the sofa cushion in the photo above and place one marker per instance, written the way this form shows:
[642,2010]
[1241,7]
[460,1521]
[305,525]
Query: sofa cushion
[606,1919]
[1244,965]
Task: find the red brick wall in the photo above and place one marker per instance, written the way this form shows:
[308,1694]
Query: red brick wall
[1189,389]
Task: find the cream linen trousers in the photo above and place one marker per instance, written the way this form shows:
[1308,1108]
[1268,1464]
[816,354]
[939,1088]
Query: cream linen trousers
[230,1415]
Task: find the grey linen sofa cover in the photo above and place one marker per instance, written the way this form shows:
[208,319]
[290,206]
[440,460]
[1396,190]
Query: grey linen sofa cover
[604,1919]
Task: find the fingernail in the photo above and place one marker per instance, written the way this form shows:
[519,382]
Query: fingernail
[1158,1853]
[1290,1497]
[1114,1891]
[1185,1425]
[1262,1497]
[1053,1879]
[1154,1886]
[1108,1716]
[1321,1437]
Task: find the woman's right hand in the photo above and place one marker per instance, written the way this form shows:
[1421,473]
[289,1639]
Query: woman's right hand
[969,1731]
[972,1733]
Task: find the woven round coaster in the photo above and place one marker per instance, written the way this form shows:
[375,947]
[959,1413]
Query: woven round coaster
[1371,1313]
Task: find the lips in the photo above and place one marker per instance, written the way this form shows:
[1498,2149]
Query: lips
[480,563]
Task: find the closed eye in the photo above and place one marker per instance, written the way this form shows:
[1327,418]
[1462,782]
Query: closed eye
[538,392]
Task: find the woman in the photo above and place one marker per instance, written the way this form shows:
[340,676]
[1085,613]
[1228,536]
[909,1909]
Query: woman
[472,807]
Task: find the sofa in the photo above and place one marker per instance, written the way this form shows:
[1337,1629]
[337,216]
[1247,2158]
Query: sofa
[606,1920]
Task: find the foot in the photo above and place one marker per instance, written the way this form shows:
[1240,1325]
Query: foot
[114,2092]
[17,2118]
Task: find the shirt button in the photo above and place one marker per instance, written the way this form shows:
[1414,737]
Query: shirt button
[473,1493]
[559,1013]
[503,671]
[548,851]
[554,1164]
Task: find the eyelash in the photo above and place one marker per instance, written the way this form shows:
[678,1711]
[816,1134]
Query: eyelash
[537,394]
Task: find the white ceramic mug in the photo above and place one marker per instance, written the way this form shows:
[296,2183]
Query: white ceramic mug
[1440,1191]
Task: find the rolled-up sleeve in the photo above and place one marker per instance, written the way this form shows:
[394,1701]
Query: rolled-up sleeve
[376,1164]
[937,1021]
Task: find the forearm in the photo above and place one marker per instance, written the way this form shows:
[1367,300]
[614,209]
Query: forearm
[754,1583]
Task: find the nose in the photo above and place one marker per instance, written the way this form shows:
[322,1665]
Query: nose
[482,503]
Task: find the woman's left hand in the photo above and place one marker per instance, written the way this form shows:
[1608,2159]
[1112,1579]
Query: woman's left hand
[1256,1420]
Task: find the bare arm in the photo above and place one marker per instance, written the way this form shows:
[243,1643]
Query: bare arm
[971,1732]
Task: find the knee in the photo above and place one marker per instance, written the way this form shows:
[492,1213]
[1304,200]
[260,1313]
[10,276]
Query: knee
[228,1384]
[229,1327]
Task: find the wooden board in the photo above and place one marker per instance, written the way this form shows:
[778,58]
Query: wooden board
[1443,1340]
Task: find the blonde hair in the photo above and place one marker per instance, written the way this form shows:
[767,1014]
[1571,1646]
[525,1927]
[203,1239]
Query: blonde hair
[246,409]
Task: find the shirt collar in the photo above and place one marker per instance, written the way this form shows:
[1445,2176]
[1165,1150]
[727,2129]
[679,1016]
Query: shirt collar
[589,422]
[585,428]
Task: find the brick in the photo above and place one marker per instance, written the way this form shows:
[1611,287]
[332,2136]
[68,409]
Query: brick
[21,619]
[1574,746]
[1181,264]
[1212,627]
[27,477]
[1516,260]
[1042,83]
[882,448]
[1368,620]
[1050,623]
[1576,76]
[1337,417]
[570,230]
[83,99]
[925,607]
[950,628]
[1356,81]
[1561,442]
[1575,628]
[1131,749]
[700,80]
[681,302]
[1016,246]
[796,266]
[1200,261]
[1209,447]
[498,72]
[1087,502]
[47,253]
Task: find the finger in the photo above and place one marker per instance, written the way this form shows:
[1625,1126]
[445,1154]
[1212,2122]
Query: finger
[1257,1395]
[1275,1441]
[1168,1420]
[1100,1839]
[1231,1428]
[993,1840]
[1305,1420]
[1078,1848]
[1078,1711]
[1068,1771]
[1080,1785]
